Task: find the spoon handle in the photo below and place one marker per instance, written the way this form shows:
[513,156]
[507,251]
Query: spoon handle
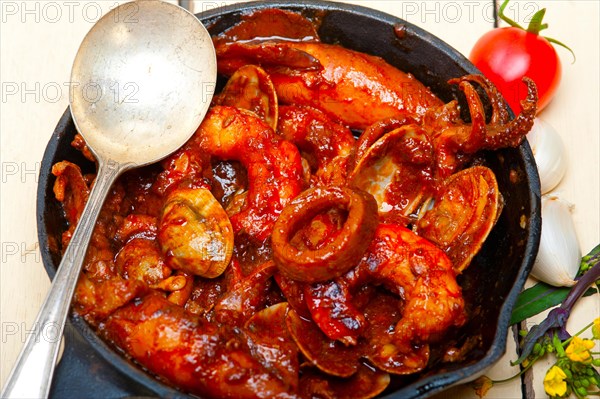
[31,375]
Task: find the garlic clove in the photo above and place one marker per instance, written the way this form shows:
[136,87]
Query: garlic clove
[549,153]
[559,255]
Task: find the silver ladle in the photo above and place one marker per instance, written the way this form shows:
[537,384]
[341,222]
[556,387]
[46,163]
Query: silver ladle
[141,83]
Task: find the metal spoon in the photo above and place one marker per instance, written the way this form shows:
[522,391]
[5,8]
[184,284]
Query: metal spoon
[141,83]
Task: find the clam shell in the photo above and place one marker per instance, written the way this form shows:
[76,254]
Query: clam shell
[195,233]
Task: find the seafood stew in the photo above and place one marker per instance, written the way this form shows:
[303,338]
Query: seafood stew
[274,274]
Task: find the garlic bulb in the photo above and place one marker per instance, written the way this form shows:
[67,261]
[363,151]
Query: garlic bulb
[549,152]
[559,255]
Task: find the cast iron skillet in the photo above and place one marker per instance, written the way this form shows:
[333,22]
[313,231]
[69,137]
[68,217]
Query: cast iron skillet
[92,368]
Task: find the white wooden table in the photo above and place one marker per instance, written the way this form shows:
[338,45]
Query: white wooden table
[39,40]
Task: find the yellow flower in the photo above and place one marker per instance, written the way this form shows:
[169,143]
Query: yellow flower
[596,328]
[482,385]
[579,350]
[554,382]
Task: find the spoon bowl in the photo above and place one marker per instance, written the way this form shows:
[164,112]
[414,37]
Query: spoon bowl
[141,83]
[128,79]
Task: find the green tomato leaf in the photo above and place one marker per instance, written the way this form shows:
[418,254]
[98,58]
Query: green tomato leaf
[536,25]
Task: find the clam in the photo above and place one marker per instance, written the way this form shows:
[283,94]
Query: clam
[396,170]
[272,345]
[195,234]
[250,88]
[140,259]
[329,356]
[463,214]
[366,383]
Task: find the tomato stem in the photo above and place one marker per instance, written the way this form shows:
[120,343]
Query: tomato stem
[505,18]
[534,27]
[551,40]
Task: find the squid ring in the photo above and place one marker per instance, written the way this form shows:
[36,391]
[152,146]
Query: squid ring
[343,252]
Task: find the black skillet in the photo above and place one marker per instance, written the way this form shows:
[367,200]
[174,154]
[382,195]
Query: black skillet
[92,369]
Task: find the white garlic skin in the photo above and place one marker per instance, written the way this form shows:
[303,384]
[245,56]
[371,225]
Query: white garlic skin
[559,254]
[549,153]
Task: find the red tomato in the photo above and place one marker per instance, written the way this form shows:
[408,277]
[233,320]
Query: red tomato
[505,55]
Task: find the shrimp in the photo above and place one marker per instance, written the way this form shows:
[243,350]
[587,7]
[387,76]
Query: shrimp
[423,276]
[274,166]
[409,266]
